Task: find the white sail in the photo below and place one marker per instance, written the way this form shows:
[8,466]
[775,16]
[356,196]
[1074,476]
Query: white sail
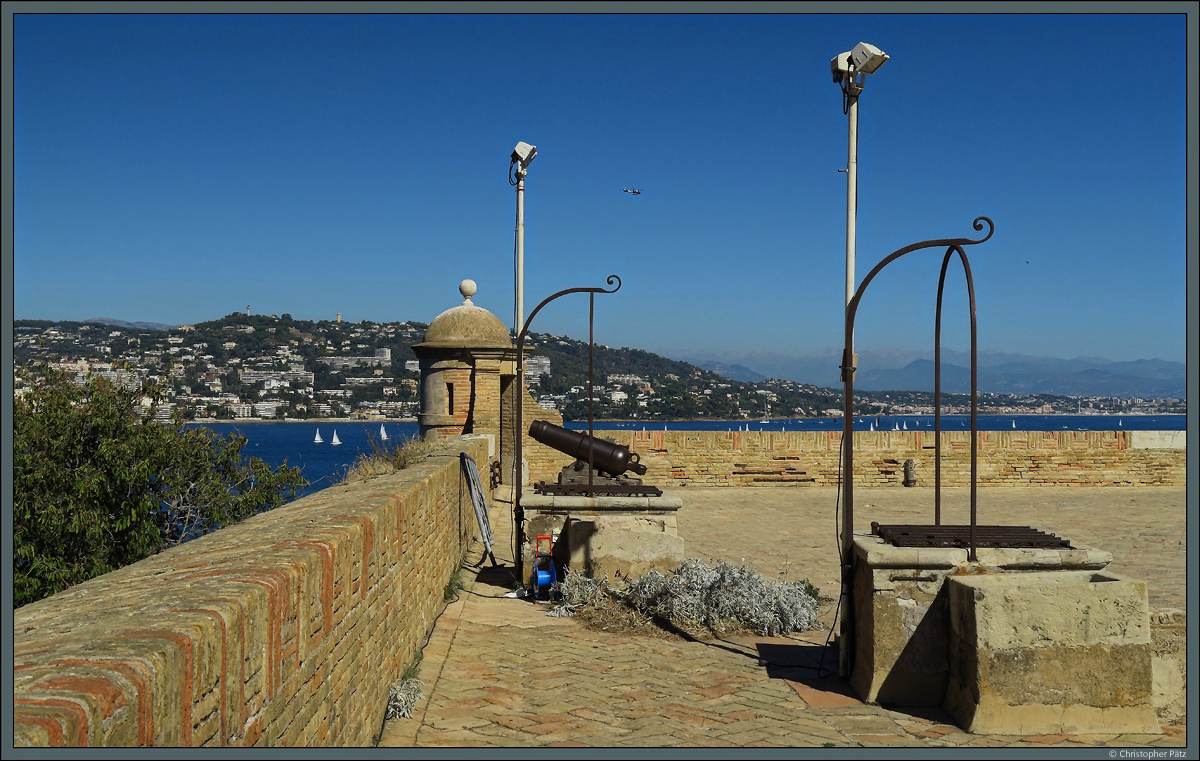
[905,426]
[382,433]
[318,439]
[335,441]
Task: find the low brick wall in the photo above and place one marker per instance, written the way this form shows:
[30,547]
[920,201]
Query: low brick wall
[284,630]
[811,458]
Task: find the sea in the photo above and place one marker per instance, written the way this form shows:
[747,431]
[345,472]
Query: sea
[324,464]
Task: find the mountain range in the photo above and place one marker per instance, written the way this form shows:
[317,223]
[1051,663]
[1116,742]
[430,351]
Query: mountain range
[998,372]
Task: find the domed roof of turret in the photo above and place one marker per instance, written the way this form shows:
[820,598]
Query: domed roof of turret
[467,325]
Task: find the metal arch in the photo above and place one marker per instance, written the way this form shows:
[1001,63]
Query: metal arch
[952,245]
[518,437]
[937,393]
[977,224]
[548,299]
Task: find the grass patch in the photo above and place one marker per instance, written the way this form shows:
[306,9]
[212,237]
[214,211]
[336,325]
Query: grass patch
[411,670]
[453,587]
[381,461]
[695,601]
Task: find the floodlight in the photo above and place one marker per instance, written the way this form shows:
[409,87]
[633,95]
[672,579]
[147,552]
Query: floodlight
[839,66]
[867,58]
[524,153]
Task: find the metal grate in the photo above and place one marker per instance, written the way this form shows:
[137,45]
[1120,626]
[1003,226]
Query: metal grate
[960,536]
[597,490]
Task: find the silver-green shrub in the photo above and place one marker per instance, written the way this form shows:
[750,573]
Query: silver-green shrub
[576,591]
[723,599]
[402,698]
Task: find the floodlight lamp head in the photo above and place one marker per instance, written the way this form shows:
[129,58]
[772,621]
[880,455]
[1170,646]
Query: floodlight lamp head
[523,154]
[839,66]
[866,58]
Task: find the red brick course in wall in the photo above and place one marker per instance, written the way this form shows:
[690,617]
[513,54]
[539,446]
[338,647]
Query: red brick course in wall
[285,630]
[812,458]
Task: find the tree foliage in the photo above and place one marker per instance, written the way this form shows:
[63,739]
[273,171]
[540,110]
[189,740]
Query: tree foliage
[97,486]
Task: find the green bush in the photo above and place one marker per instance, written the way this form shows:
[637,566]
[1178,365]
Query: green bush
[97,486]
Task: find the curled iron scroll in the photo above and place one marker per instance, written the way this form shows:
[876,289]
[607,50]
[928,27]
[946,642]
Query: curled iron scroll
[978,226]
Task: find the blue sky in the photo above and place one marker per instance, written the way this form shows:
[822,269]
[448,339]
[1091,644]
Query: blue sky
[177,168]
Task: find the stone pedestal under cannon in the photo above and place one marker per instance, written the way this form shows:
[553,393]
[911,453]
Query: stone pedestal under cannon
[600,521]
[617,537]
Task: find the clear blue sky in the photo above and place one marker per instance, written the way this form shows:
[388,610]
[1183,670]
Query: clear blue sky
[177,168]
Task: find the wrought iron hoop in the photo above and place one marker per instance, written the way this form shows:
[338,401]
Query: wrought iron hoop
[518,437]
[953,245]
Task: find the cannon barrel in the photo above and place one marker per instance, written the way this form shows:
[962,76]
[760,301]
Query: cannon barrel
[608,457]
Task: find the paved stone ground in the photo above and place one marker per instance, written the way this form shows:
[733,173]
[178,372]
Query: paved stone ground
[794,530]
[498,672]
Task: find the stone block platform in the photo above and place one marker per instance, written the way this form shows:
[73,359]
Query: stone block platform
[616,537]
[1049,652]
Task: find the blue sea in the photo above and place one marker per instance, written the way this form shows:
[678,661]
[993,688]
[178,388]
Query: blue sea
[324,464]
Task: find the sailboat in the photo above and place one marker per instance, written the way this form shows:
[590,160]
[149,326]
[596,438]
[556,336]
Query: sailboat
[382,433]
[1014,423]
[318,439]
[904,426]
[335,441]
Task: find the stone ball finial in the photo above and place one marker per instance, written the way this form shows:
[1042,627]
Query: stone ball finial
[467,288]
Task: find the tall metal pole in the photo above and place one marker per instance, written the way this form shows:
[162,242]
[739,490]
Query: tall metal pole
[849,363]
[851,191]
[519,278]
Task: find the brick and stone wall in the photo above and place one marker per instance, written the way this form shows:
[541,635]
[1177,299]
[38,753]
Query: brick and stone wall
[284,630]
[811,458]
[537,456]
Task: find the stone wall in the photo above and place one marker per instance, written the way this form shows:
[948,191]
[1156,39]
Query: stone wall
[537,456]
[284,630]
[1168,640]
[811,458]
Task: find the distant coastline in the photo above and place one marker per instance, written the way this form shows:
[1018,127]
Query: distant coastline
[317,420]
[659,421]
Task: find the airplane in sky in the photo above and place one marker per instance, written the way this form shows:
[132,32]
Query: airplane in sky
[634,191]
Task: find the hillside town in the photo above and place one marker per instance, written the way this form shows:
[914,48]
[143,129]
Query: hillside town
[268,367]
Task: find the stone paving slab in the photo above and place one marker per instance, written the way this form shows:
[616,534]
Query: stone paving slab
[498,672]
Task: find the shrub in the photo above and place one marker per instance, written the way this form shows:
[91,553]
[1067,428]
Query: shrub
[97,486]
[724,599]
[402,698]
[696,599]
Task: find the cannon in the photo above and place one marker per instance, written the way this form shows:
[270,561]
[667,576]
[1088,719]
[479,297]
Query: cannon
[606,456]
[610,461]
